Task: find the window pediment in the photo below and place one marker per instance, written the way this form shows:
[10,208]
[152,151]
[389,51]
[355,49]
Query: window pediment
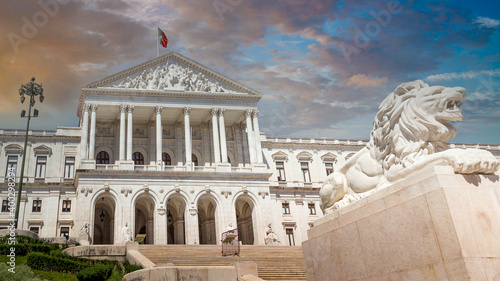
[329,157]
[14,149]
[42,149]
[304,156]
[280,155]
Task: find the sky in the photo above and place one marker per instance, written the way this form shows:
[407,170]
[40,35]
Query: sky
[323,67]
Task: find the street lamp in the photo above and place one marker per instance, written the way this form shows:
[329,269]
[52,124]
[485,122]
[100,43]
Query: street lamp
[32,90]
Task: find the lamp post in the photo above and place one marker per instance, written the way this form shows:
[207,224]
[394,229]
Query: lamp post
[31,89]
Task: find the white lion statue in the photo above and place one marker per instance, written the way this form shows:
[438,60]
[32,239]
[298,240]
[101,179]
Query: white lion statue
[410,131]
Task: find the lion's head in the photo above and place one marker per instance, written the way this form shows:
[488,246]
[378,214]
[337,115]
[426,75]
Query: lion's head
[413,121]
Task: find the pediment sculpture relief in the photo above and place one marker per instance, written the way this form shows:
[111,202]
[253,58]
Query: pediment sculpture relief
[172,77]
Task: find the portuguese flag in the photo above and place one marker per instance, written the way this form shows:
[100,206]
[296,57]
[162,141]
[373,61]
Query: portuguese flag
[162,37]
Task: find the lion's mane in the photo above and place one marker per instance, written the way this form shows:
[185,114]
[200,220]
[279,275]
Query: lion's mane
[403,132]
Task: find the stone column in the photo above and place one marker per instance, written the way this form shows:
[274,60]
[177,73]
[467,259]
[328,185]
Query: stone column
[239,144]
[85,130]
[205,135]
[222,128]
[130,109]
[215,133]
[258,145]
[122,132]
[159,135]
[178,142]
[93,109]
[187,134]
[251,140]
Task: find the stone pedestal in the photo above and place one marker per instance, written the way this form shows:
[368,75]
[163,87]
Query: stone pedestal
[84,239]
[434,225]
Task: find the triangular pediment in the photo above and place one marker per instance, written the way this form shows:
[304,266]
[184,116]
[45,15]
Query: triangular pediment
[172,72]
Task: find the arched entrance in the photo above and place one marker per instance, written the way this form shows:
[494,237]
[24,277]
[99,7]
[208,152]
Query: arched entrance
[176,208]
[144,218]
[206,220]
[244,220]
[104,220]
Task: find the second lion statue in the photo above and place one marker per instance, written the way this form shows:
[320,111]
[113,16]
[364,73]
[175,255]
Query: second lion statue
[410,131]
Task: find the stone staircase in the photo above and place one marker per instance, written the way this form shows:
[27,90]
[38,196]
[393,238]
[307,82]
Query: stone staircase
[273,262]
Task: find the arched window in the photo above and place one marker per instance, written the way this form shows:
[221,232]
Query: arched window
[195,159]
[102,158]
[138,158]
[166,159]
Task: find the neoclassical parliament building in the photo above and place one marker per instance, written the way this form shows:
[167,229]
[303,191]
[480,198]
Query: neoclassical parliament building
[173,150]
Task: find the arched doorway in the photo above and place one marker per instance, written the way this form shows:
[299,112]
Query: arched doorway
[104,220]
[176,208]
[144,218]
[206,220]
[244,220]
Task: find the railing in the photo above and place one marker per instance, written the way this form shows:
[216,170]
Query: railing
[171,168]
[230,243]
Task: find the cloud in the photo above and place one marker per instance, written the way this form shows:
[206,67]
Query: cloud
[362,80]
[487,22]
[464,75]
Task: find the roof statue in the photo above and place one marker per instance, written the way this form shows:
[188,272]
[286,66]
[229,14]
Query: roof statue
[410,132]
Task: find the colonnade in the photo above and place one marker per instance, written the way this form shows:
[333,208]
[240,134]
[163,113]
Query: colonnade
[126,134]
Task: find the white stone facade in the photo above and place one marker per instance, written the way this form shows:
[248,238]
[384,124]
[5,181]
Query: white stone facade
[220,168]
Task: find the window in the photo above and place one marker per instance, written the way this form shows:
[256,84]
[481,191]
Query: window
[35,229]
[66,206]
[69,167]
[166,159]
[41,162]
[195,159]
[304,166]
[102,158]
[64,231]
[289,237]
[286,208]
[37,205]
[5,206]
[280,171]
[329,168]
[11,163]
[138,158]
[312,209]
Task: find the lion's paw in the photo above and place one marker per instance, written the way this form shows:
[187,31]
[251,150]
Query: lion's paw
[472,160]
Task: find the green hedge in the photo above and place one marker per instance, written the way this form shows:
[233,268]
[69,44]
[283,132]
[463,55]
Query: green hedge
[130,267]
[95,273]
[21,239]
[44,262]
[24,249]
[59,254]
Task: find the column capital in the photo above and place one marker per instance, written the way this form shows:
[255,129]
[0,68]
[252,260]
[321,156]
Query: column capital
[255,113]
[221,111]
[213,111]
[86,107]
[205,124]
[178,124]
[158,109]
[130,108]
[248,112]
[123,108]
[186,110]
[93,107]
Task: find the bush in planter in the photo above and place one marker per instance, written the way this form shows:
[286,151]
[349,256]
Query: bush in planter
[130,267]
[95,273]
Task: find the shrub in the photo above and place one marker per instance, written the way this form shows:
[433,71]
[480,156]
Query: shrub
[24,249]
[130,267]
[95,273]
[22,273]
[41,261]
